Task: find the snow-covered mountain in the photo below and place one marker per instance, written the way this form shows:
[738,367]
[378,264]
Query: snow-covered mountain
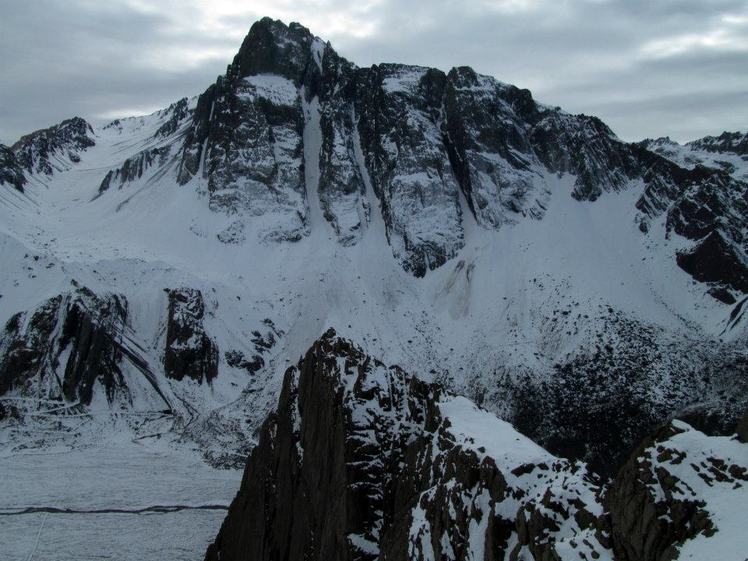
[161,273]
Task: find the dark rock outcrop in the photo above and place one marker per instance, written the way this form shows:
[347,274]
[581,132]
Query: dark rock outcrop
[133,168]
[669,490]
[713,211]
[236,359]
[644,529]
[717,260]
[178,113]
[742,428]
[65,347]
[263,341]
[189,351]
[727,142]
[57,147]
[705,205]
[11,171]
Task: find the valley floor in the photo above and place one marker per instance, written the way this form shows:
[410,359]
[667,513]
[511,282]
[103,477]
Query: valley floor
[58,505]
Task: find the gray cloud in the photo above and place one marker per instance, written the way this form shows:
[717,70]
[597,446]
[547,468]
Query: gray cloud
[670,67]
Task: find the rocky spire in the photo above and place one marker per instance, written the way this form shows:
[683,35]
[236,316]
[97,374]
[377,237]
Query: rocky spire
[272,47]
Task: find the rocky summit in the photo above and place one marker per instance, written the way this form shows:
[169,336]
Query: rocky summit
[441,319]
[431,146]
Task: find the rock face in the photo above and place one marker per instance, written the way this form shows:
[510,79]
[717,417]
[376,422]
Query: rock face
[55,148]
[65,347]
[703,192]
[727,142]
[711,209]
[724,152]
[490,148]
[292,126]
[246,136]
[674,497]
[178,112]
[189,351]
[133,168]
[78,341]
[362,461]
[11,171]
[399,109]
[716,259]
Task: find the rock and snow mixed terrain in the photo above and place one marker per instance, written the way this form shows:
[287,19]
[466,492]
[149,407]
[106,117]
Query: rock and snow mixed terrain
[161,273]
[363,461]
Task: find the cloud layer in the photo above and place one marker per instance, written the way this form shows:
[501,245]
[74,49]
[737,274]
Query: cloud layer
[670,67]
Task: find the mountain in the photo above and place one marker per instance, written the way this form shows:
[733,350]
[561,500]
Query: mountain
[161,273]
[423,140]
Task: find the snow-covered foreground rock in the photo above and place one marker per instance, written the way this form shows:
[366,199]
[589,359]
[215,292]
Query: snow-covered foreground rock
[363,461]
[682,495]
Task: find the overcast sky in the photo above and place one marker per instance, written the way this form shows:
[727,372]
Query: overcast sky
[646,67]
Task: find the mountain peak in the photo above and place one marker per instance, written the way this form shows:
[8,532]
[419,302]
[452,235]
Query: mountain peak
[272,47]
[54,148]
